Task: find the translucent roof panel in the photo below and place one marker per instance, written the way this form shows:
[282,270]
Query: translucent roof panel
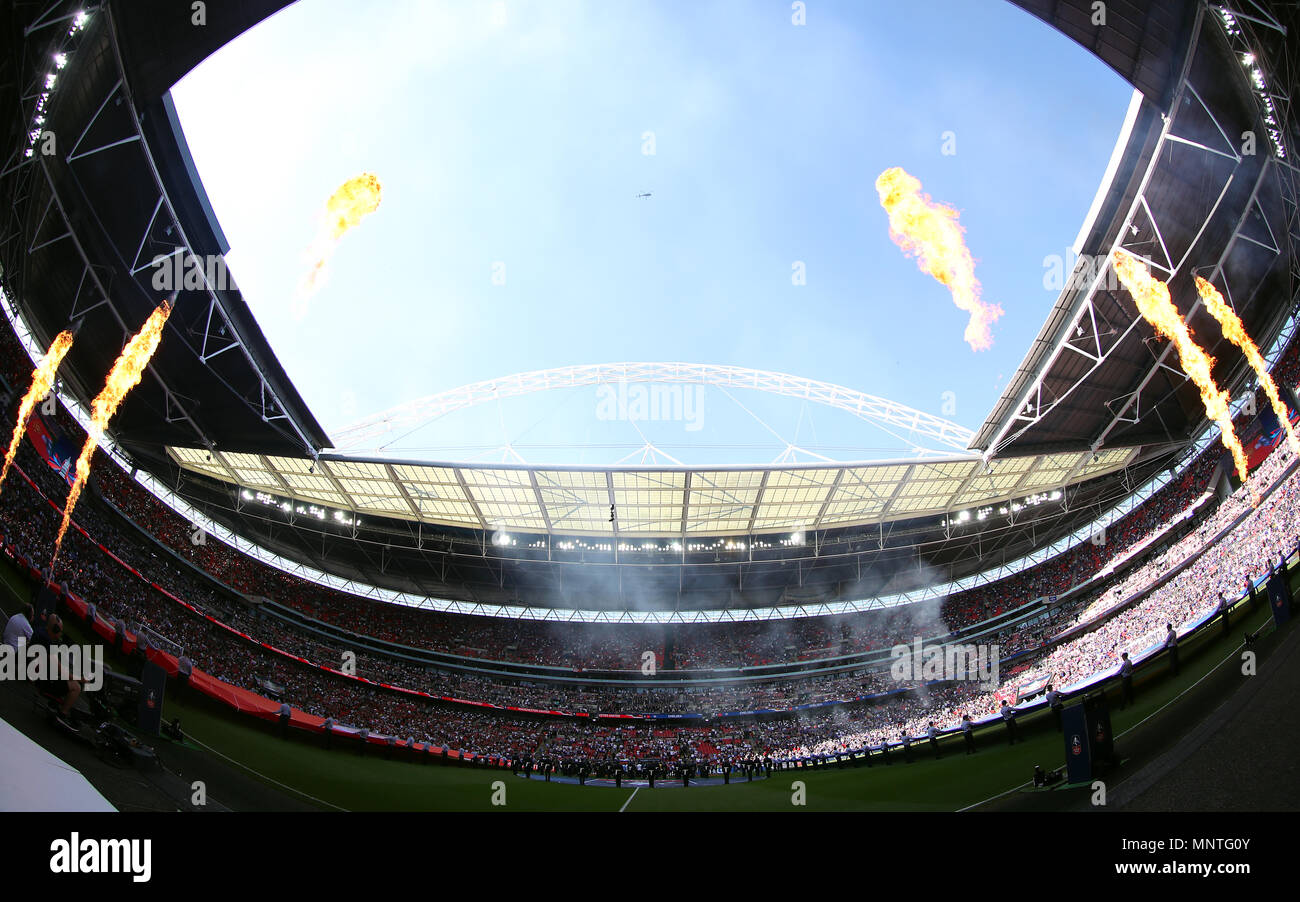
[678,502]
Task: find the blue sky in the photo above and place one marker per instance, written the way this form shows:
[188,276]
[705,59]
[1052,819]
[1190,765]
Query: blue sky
[513,133]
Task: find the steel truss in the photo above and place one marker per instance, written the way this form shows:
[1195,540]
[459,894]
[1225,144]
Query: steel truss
[879,411]
[1142,236]
[163,239]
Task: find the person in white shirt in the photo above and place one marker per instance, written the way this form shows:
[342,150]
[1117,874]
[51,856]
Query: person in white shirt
[1223,612]
[1171,643]
[968,732]
[19,627]
[1009,718]
[1126,679]
[1054,702]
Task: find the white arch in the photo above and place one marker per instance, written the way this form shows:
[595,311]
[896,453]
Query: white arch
[879,411]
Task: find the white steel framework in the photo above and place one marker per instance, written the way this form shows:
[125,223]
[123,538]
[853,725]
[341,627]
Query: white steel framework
[886,414]
[1142,236]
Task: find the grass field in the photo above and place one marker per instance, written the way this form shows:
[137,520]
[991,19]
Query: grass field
[343,778]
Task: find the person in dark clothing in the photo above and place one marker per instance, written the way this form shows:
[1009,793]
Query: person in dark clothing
[1126,679]
[1171,643]
[62,685]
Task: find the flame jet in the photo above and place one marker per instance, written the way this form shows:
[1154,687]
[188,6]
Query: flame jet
[355,199]
[1235,331]
[124,376]
[931,233]
[42,381]
[1152,299]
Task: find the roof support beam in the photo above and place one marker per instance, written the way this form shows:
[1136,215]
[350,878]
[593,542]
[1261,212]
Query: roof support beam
[469,496]
[401,487]
[1001,437]
[826,502]
[1100,440]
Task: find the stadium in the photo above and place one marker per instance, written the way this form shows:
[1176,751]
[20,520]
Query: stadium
[302,620]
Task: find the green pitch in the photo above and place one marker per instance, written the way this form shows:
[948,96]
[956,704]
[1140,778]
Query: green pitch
[341,777]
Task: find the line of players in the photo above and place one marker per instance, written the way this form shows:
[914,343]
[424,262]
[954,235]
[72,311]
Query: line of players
[686,769]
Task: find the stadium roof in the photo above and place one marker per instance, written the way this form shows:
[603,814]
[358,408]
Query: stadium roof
[83,225]
[1142,40]
[1186,193]
[658,502]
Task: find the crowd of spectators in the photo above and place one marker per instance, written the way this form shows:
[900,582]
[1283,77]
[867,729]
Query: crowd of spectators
[1268,535]
[29,525]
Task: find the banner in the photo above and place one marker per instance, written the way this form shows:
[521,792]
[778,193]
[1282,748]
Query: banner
[1101,739]
[55,448]
[1078,748]
[152,685]
[1263,435]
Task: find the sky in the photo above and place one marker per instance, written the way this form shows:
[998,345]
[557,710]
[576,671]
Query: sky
[512,139]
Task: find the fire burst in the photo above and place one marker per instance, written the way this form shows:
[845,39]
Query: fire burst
[1152,299]
[354,200]
[931,232]
[1235,331]
[124,376]
[42,381]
